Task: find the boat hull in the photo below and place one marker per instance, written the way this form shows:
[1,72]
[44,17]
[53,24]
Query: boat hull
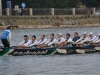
[19,52]
[48,51]
[78,50]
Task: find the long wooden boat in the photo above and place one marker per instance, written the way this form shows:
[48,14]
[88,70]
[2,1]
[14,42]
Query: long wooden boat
[14,51]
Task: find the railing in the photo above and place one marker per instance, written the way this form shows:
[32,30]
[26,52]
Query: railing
[49,11]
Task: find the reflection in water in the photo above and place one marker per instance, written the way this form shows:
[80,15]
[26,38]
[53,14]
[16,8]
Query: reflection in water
[88,64]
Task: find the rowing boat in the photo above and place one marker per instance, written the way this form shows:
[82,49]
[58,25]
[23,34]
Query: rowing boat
[14,51]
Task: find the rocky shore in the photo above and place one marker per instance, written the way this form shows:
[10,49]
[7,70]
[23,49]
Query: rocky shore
[38,22]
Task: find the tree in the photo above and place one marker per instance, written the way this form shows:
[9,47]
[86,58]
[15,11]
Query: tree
[53,3]
[91,3]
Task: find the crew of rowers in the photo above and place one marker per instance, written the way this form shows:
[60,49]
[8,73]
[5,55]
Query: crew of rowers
[61,41]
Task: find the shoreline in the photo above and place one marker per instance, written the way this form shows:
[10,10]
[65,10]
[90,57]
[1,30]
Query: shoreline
[49,26]
[47,22]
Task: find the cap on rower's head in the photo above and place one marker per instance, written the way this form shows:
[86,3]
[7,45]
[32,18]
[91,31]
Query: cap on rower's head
[9,27]
[84,33]
[25,36]
[91,33]
[59,33]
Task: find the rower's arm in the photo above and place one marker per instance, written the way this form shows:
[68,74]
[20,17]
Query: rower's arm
[43,42]
[93,38]
[47,42]
[53,42]
[22,43]
[98,41]
[29,42]
[62,40]
[39,42]
[85,40]
[70,40]
[79,40]
[35,43]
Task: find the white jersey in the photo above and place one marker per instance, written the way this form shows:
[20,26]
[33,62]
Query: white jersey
[69,40]
[92,39]
[33,43]
[50,42]
[60,40]
[97,40]
[26,43]
[42,41]
[82,40]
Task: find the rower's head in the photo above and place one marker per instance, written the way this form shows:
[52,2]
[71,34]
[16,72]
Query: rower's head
[84,34]
[25,37]
[75,34]
[67,35]
[59,35]
[52,36]
[43,37]
[33,38]
[91,34]
[9,28]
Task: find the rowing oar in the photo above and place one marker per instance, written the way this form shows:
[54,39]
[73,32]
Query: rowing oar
[62,51]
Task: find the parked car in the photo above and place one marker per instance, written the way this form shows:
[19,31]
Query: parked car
[97,12]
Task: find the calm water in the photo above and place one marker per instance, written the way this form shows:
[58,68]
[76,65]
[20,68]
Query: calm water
[87,64]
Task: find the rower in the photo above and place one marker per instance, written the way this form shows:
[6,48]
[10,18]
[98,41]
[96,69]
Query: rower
[67,42]
[76,37]
[50,43]
[33,43]
[92,37]
[97,41]
[43,40]
[24,43]
[84,39]
[6,37]
[60,39]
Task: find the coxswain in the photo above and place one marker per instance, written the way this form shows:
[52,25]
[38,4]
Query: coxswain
[6,37]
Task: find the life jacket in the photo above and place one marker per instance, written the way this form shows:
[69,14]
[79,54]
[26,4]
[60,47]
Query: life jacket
[5,34]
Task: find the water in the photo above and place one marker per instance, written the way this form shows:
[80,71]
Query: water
[82,64]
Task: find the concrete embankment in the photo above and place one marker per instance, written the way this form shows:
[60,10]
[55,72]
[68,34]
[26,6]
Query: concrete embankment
[50,21]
